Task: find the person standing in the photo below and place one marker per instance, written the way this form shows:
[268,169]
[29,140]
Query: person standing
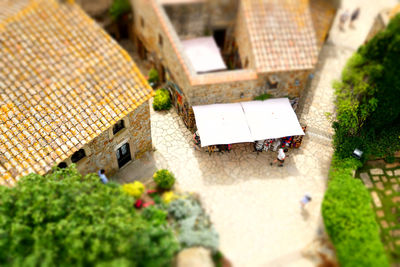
[103,177]
[281,157]
[343,18]
[354,16]
[305,200]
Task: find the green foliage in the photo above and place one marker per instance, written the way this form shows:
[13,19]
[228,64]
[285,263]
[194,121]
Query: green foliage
[65,219]
[390,158]
[154,215]
[263,97]
[218,258]
[162,100]
[164,179]
[193,225]
[349,218]
[119,8]
[367,97]
[153,76]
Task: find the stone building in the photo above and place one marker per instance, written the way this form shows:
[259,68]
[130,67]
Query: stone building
[68,93]
[382,20]
[268,46]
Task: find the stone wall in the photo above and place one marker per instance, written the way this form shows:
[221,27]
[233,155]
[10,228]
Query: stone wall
[149,35]
[247,90]
[189,20]
[224,92]
[378,25]
[95,7]
[243,41]
[101,152]
[222,12]
[287,85]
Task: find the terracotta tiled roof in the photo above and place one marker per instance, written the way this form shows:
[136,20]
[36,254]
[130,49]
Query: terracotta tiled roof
[63,81]
[11,7]
[322,13]
[281,33]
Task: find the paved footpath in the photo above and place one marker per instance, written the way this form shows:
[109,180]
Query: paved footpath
[255,207]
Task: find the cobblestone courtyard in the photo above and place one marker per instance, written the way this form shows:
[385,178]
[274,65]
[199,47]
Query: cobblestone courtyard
[255,207]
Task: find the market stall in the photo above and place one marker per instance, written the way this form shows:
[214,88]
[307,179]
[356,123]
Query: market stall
[220,124]
[269,124]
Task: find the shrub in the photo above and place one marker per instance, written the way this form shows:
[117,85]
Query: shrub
[193,225]
[390,158]
[154,215]
[134,189]
[367,97]
[164,179]
[153,76]
[169,196]
[65,219]
[162,100]
[119,8]
[349,218]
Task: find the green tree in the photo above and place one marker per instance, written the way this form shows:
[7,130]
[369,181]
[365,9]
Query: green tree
[368,96]
[119,8]
[65,219]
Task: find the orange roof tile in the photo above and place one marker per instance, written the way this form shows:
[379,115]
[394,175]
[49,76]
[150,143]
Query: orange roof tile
[281,34]
[61,81]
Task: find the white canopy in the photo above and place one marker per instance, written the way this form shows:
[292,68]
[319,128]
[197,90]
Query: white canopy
[246,121]
[272,118]
[204,54]
[221,124]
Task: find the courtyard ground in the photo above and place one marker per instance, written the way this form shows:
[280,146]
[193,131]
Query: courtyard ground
[255,207]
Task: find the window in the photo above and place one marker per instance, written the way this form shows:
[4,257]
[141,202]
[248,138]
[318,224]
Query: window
[62,165]
[142,22]
[78,155]
[160,40]
[118,126]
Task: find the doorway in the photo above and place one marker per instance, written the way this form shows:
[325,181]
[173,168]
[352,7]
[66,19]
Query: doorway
[123,155]
[219,37]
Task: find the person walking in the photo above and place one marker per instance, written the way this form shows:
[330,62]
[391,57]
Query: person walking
[305,200]
[281,157]
[354,16]
[343,18]
[103,177]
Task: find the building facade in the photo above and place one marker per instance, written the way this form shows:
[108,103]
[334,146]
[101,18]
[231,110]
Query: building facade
[68,93]
[269,47]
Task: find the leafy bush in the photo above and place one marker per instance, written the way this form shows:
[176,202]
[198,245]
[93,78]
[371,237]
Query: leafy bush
[65,219]
[119,8]
[349,218]
[154,215]
[134,189]
[367,97]
[153,76]
[164,179]
[193,225]
[390,158]
[162,100]
[169,196]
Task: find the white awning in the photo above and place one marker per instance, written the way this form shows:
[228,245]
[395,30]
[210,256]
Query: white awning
[220,124]
[204,54]
[272,118]
[246,121]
